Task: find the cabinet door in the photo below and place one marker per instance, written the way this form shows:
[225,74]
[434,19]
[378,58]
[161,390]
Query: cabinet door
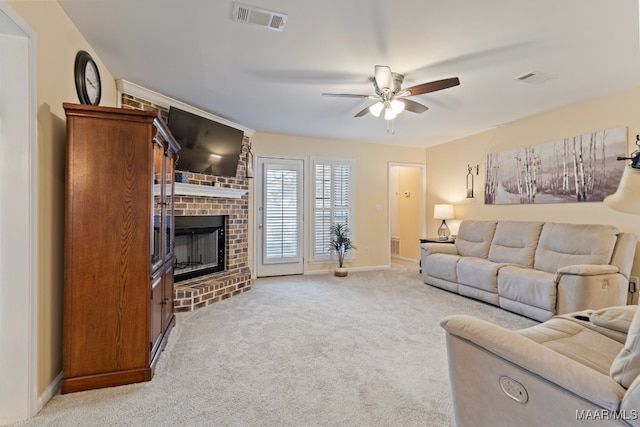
[157,304]
[157,209]
[167,308]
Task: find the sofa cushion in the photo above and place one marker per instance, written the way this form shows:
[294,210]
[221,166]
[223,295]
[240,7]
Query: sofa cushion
[576,342]
[626,366]
[583,318]
[617,318]
[474,238]
[478,273]
[515,242]
[442,266]
[527,286]
[561,245]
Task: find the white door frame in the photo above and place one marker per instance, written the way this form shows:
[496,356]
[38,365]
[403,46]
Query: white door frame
[18,218]
[423,197]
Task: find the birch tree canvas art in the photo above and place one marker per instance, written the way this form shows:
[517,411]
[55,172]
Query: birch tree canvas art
[576,169]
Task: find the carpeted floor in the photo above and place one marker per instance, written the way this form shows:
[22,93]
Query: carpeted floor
[365,350]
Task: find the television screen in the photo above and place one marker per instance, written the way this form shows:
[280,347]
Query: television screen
[208,147]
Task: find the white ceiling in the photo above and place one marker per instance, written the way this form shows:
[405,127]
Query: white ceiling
[272,81]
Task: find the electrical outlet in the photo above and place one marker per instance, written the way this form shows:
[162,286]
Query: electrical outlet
[633,284]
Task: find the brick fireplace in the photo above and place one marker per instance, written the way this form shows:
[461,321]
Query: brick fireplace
[232,202]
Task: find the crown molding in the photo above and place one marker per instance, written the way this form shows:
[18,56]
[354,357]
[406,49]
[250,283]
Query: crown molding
[124,86]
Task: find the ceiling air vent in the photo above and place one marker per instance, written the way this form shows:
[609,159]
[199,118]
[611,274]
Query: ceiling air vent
[535,78]
[255,15]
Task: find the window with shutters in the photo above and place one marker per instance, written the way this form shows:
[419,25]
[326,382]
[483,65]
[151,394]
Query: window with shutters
[332,192]
[282,215]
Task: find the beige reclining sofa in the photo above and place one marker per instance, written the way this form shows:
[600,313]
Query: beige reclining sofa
[579,369]
[537,269]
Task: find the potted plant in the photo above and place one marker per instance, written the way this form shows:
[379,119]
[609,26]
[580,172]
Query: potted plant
[341,243]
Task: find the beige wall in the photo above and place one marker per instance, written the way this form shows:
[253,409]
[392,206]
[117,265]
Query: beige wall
[371,221]
[58,43]
[447,164]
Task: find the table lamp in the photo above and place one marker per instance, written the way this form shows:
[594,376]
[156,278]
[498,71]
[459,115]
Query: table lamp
[443,212]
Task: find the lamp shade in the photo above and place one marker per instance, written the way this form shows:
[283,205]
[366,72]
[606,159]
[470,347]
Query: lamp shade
[397,106]
[626,198]
[376,108]
[443,211]
[389,114]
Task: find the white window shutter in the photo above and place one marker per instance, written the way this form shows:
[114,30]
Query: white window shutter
[333,202]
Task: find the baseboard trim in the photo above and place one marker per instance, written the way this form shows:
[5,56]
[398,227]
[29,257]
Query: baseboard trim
[370,268]
[354,269]
[52,389]
[401,258]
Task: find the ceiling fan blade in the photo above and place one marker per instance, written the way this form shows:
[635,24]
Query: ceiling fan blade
[414,106]
[363,112]
[345,95]
[384,77]
[430,87]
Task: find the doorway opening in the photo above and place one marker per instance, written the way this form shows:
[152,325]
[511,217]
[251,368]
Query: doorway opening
[406,211]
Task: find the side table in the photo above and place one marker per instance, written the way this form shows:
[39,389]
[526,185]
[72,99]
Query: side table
[436,240]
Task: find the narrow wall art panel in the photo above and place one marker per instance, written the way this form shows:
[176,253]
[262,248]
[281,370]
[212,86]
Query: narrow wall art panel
[576,169]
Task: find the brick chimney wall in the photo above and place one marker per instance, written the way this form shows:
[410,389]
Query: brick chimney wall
[236,278]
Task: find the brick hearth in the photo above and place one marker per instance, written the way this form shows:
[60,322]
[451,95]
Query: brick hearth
[236,278]
[204,290]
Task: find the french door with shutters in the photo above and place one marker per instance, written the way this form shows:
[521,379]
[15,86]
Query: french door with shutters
[279,217]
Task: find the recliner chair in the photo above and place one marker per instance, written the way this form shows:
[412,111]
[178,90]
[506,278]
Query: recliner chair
[571,369]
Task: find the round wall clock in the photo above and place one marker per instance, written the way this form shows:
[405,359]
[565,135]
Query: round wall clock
[87,79]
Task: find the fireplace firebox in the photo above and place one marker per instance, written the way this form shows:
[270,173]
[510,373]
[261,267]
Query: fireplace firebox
[199,246]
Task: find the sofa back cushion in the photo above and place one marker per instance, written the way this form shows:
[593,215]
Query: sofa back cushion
[474,238]
[515,242]
[626,366]
[561,245]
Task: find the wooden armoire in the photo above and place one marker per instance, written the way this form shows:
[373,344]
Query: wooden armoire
[118,245]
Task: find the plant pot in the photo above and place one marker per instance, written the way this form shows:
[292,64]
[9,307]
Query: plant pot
[341,272]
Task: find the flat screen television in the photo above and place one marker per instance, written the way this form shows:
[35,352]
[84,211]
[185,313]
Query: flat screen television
[207,146]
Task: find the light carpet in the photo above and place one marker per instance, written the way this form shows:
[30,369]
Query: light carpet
[366,350]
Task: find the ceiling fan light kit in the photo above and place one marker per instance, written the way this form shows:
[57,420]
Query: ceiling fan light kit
[391,98]
[389,114]
[396,106]
[376,108]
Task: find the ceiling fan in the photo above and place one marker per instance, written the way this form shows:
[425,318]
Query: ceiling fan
[391,98]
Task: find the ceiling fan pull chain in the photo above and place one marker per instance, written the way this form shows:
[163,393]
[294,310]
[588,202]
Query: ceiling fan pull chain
[391,128]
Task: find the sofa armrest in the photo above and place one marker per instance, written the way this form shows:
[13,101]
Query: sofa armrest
[553,367]
[585,270]
[439,248]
